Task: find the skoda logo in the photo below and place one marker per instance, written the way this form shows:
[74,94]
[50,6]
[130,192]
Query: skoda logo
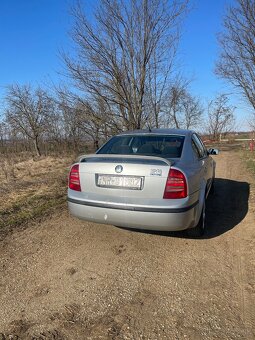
[118,169]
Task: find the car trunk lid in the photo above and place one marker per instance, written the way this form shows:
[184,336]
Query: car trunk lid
[113,176]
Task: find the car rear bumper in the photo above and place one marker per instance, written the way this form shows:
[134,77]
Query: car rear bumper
[150,218]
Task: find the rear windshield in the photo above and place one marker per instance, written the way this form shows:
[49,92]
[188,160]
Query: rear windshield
[165,146]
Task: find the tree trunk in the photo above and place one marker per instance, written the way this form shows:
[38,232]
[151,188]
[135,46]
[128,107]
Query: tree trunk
[36,145]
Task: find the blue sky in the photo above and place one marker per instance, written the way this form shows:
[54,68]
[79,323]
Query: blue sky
[32,32]
[198,46]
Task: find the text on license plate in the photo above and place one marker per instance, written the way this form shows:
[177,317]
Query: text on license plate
[111,181]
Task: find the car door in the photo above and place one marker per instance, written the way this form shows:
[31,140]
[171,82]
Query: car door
[205,162]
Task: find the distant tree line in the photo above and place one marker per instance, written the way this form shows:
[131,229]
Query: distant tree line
[37,121]
[123,76]
[42,123]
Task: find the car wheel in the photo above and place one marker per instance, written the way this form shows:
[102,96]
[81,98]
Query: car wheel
[199,230]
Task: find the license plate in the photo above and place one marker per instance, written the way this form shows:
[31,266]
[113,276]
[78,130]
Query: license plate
[125,182]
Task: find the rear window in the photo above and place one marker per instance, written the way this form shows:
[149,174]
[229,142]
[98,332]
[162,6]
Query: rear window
[166,146]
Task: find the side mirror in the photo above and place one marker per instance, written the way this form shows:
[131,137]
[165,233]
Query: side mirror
[212,151]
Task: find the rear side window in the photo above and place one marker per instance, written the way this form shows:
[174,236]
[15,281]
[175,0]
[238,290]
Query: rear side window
[198,147]
[166,146]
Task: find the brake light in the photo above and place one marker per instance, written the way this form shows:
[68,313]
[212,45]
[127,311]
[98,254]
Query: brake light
[74,178]
[176,185]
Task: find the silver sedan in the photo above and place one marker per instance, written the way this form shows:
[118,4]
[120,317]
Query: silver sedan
[146,179]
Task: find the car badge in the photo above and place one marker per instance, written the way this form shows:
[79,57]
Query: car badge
[156,172]
[118,169]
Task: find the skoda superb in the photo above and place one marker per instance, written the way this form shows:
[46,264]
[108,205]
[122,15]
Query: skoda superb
[155,179]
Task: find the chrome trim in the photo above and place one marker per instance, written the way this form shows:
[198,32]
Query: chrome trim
[132,208]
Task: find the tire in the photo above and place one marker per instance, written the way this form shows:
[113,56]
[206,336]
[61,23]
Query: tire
[199,229]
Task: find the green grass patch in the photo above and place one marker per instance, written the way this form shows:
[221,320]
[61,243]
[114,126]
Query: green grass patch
[249,158]
[251,165]
[32,208]
[37,190]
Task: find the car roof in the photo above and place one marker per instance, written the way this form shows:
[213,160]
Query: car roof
[182,132]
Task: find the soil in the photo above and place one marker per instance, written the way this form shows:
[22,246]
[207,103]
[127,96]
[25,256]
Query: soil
[68,279]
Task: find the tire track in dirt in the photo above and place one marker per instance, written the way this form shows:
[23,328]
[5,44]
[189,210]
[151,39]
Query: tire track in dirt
[235,170]
[247,300]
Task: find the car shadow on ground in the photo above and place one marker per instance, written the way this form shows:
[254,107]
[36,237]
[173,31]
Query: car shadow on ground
[225,209]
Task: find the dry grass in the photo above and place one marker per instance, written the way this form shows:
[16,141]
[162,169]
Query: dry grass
[31,189]
[249,158]
[251,164]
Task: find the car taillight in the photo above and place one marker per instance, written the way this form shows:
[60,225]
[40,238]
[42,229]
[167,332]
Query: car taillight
[176,186]
[74,178]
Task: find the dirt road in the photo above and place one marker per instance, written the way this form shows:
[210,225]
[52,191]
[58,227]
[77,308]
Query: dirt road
[67,279]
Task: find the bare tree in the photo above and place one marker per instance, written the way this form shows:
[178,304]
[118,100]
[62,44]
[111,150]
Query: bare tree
[252,120]
[4,133]
[72,120]
[125,54]
[82,119]
[96,122]
[172,105]
[237,42]
[220,116]
[55,128]
[27,112]
[192,111]
[181,109]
